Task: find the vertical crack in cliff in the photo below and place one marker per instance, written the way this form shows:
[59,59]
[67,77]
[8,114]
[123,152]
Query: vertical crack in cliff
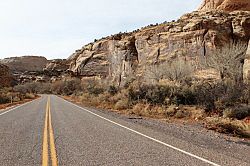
[132,55]
[232,30]
[203,42]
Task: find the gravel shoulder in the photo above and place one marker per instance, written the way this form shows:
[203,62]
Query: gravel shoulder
[191,133]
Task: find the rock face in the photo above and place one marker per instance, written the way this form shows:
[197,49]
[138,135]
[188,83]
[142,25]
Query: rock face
[226,5]
[28,69]
[5,76]
[25,63]
[53,70]
[57,65]
[193,37]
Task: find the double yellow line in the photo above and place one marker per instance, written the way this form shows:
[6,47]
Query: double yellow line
[48,132]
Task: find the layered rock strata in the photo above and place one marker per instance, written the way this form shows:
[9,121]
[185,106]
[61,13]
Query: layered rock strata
[193,37]
[226,5]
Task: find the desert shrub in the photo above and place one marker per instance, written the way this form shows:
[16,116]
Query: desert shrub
[232,94]
[104,97]
[121,95]
[112,90]
[157,94]
[4,99]
[84,97]
[205,95]
[141,109]
[162,94]
[218,95]
[20,88]
[171,111]
[30,96]
[246,94]
[182,114]
[184,95]
[67,87]
[45,88]
[177,70]
[57,87]
[8,95]
[237,112]
[16,98]
[34,87]
[228,60]
[94,88]
[177,112]
[122,104]
[153,94]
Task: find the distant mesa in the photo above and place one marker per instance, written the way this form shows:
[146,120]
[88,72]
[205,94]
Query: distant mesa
[25,63]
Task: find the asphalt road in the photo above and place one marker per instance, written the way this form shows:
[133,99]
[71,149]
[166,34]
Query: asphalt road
[52,131]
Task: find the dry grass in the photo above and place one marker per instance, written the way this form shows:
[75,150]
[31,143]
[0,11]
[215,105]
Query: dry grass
[141,109]
[174,113]
[237,113]
[229,126]
[4,106]
[122,104]
[185,112]
[30,96]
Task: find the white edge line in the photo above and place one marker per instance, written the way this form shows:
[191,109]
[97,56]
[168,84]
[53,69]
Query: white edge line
[153,139]
[12,109]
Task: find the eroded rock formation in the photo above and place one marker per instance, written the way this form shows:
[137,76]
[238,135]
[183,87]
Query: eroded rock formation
[192,38]
[226,5]
[57,65]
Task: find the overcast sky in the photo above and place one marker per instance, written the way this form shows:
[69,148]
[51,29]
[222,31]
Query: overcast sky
[55,28]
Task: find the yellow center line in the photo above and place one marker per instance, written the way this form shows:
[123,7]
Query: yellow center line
[45,153]
[45,139]
[52,143]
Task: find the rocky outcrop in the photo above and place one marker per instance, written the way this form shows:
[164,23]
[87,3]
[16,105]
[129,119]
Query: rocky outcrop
[57,65]
[25,63]
[28,69]
[226,5]
[91,60]
[5,76]
[192,38]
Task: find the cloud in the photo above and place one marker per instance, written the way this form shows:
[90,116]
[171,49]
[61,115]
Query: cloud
[55,28]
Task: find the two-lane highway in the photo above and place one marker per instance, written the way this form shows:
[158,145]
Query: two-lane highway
[52,131]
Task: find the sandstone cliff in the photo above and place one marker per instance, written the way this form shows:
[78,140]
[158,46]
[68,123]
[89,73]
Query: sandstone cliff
[226,5]
[193,37]
[57,65]
[25,63]
[5,76]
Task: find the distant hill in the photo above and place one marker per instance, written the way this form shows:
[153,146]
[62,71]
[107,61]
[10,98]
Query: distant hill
[25,63]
